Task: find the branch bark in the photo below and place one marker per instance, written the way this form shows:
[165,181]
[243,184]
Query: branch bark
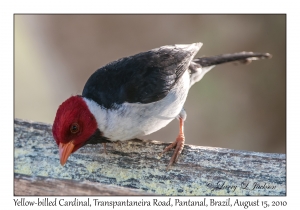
[135,165]
[28,185]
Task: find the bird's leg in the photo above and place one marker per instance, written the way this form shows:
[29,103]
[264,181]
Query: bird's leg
[178,144]
[118,143]
[104,146]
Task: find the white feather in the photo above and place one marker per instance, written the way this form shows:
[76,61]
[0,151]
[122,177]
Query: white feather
[135,119]
[199,74]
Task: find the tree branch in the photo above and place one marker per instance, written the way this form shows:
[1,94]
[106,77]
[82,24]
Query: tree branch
[135,164]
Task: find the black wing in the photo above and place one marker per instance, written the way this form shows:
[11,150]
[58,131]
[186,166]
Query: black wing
[145,77]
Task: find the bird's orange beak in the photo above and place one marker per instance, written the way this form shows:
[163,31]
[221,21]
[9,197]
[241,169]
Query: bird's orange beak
[65,151]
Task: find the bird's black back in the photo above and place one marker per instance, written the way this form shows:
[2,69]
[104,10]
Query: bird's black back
[143,78]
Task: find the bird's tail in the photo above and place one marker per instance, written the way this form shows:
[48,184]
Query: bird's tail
[200,66]
[242,57]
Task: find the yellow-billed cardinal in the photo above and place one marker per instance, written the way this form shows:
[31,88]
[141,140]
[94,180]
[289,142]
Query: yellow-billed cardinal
[135,96]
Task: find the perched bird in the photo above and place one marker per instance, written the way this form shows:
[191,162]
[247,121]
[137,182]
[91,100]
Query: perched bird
[135,96]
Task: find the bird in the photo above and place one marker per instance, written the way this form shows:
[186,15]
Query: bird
[136,96]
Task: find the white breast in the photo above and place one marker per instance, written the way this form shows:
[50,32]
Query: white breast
[136,119]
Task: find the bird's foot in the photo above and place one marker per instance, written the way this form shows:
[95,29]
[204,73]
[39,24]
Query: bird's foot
[118,143]
[104,147]
[178,144]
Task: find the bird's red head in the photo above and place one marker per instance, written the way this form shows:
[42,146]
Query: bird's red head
[74,124]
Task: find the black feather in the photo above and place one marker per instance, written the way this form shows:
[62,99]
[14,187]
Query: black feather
[143,78]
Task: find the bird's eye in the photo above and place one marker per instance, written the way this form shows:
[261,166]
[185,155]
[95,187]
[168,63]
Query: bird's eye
[74,128]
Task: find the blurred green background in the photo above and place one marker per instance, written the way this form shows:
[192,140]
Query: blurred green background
[233,106]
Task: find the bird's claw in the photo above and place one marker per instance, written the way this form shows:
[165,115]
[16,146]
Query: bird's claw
[118,143]
[104,147]
[178,144]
